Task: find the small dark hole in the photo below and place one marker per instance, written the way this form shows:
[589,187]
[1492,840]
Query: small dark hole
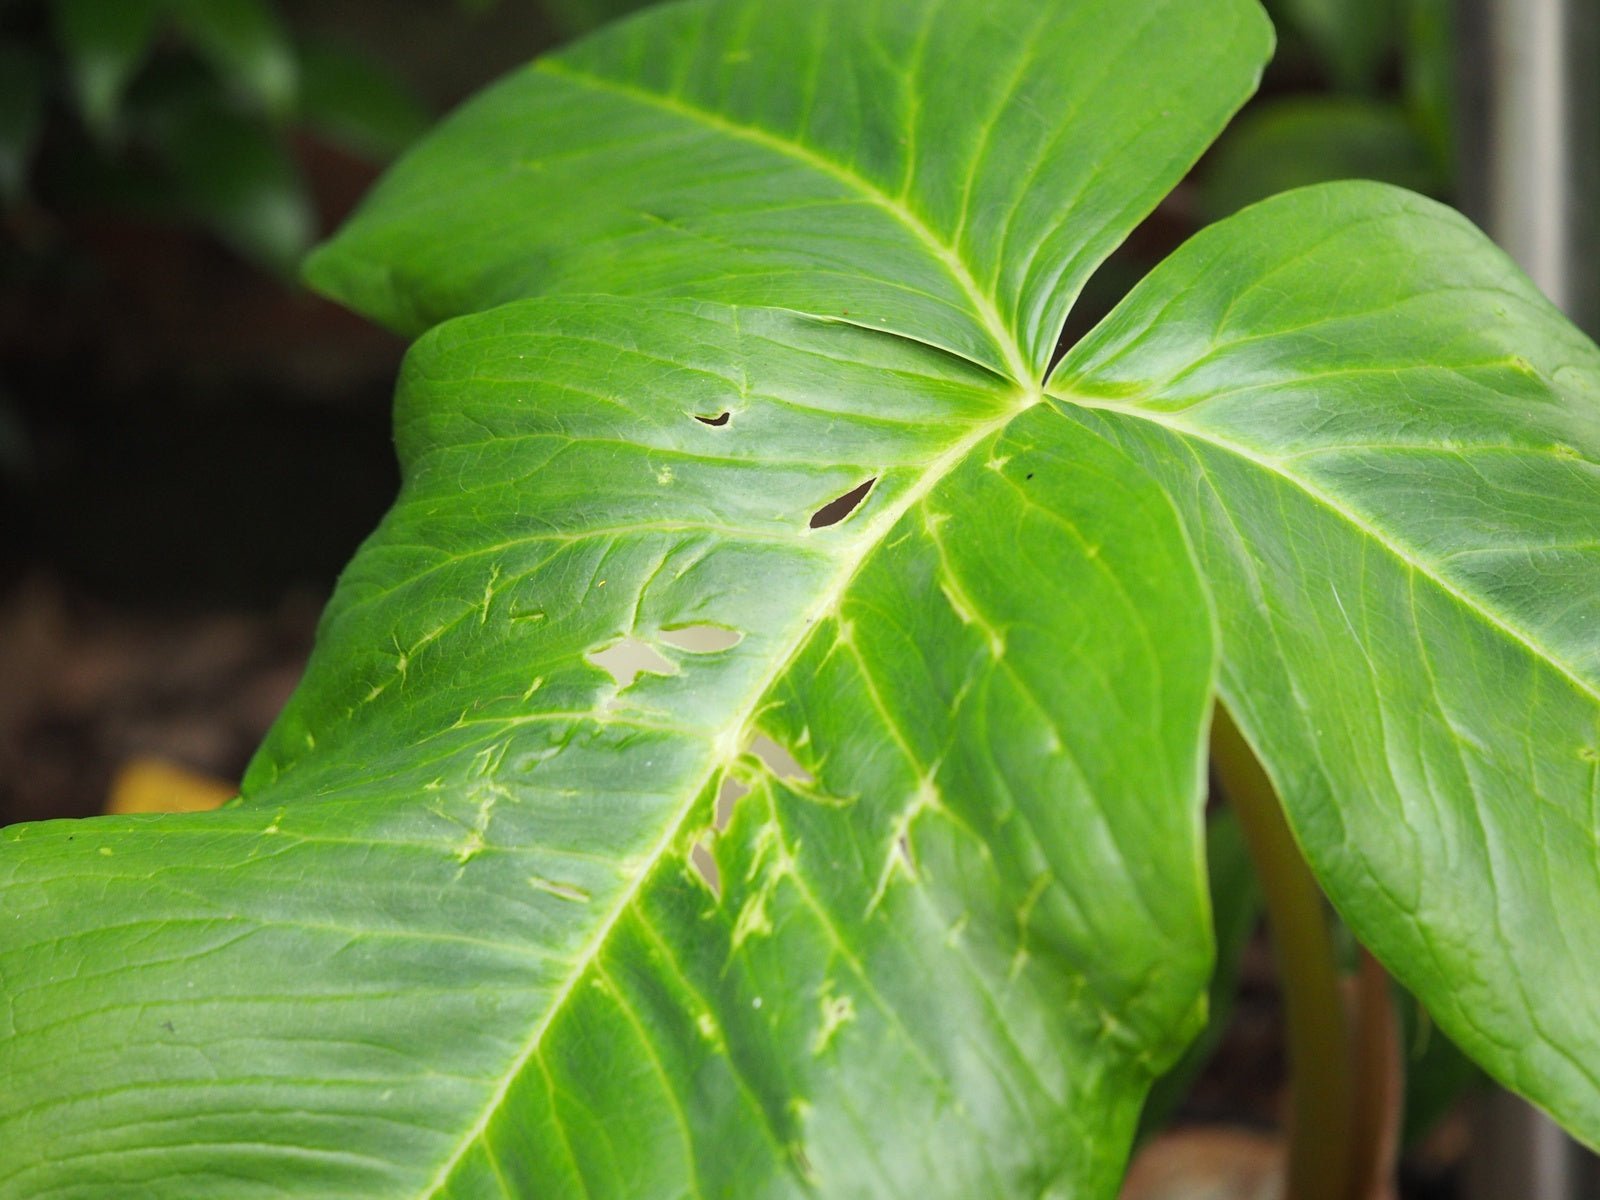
[719,419]
[1030,474]
[835,511]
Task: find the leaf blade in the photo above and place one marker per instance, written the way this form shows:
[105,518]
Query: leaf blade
[1396,540]
[462,850]
[873,170]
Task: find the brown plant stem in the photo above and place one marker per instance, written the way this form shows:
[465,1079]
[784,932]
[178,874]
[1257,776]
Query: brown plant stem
[1322,1158]
[1379,1085]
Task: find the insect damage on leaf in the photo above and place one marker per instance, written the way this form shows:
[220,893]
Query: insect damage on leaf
[838,509]
[522,938]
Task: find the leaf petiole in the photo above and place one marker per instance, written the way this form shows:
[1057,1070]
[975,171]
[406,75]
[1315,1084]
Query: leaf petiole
[1321,1068]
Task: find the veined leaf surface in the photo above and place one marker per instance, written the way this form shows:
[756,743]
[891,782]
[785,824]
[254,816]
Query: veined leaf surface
[453,945]
[1388,447]
[451,942]
[949,171]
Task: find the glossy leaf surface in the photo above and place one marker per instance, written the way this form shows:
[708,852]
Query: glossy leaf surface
[1388,447]
[456,919]
[951,172]
[452,941]
[775,286]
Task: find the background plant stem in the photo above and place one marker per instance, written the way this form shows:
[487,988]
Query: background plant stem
[1322,1155]
[1379,1084]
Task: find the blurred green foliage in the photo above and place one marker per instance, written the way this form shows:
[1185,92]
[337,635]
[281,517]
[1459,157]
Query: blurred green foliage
[1300,140]
[573,16]
[1351,38]
[185,110]
[580,16]
[1437,1073]
[21,110]
[1370,96]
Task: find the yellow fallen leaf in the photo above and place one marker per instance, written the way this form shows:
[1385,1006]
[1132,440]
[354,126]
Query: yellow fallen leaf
[153,785]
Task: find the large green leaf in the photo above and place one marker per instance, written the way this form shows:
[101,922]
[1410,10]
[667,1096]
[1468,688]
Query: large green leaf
[452,944]
[451,941]
[1388,447]
[949,171]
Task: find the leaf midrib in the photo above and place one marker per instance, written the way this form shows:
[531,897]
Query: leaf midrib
[1173,424]
[984,308]
[729,739]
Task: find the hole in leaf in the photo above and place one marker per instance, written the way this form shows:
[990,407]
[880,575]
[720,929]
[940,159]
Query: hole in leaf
[704,865]
[835,511]
[779,761]
[720,419]
[626,660]
[702,639]
[728,797]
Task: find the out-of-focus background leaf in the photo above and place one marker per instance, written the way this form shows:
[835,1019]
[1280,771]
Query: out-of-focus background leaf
[580,16]
[357,102]
[103,45]
[21,109]
[1310,139]
[1351,38]
[247,44]
[1361,89]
